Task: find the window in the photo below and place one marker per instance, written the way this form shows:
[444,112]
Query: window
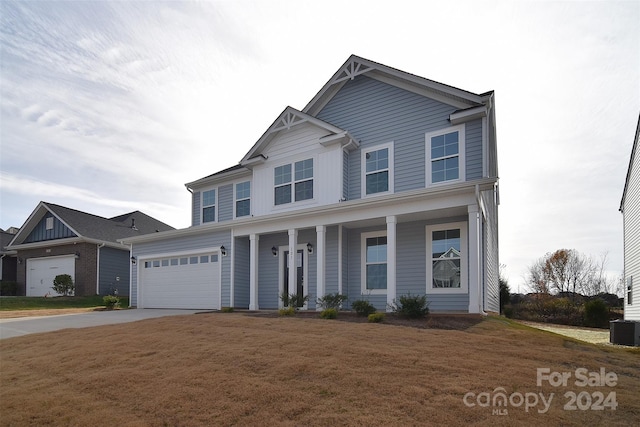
[209,206]
[377,166]
[445,151]
[302,181]
[243,199]
[630,290]
[49,223]
[374,262]
[446,258]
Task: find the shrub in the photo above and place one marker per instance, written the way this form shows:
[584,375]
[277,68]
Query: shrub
[362,307]
[329,313]
[289,311]
[507,310]
[411,306]
[111,302]
[596,314]
[8,288]
[375,317]
[63,284]
[294,300]
[227,309]
[332,301]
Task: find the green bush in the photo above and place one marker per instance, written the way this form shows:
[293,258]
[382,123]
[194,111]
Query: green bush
[596,314]
[411,306]
[227,309]
[329,313]
[362,307]
[63,284]
[332,301]
[8,288]
[375,317]
[289,311]
[507,310]
[111,302]
[294,300]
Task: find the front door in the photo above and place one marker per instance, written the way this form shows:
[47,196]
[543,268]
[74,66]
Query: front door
[298,288]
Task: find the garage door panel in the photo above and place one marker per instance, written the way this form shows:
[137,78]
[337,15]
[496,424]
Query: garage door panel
[42,271]
[189,286]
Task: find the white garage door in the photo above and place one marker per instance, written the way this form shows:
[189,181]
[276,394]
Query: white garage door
[186,281]
[42,271]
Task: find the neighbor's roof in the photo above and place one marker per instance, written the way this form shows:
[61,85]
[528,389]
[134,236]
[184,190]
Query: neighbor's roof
[93,227]
[633,155]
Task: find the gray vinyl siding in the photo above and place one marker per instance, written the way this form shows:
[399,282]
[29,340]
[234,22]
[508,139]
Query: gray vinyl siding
[225,202]
[186,243]
[473,149]
[40,232]
[331,260]
[242,272]
[195,208]
[411,274]
[377,113]
[268,274]
[631,221]
[491,261]
[113,271]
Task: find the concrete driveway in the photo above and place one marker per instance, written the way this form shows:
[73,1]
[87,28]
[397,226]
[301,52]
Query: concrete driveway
[30,325]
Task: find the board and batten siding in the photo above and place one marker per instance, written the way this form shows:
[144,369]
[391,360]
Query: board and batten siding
[225,203]
[113,271]
[376,113]
[40,232]
[631,215]
[184,244]
[195,208]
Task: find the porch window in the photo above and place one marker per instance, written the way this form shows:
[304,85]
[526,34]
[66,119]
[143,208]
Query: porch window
[209,206]
[445,151]
[377,170]
[301,180]
[374,257]
[243,199]
[446,258]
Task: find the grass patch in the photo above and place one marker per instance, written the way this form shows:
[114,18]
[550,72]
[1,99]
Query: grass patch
[41,303]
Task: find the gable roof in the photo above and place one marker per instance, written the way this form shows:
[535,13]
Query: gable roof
[289,118]
[633,155]
[89,227]
[355,66]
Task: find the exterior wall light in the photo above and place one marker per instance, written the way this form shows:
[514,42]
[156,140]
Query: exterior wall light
[223,251]
[310,248]
[77,255]
[133,260]
[274,251]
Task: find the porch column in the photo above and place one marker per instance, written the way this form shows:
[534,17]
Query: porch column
[253,271]
[391,259]
[293,252]
[475,294]
[320,258]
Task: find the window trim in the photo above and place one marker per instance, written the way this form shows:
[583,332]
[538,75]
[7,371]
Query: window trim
[215,205]
[464,255]
[363,169]
[462,166]
[293,182]
[236,200]
[363,263]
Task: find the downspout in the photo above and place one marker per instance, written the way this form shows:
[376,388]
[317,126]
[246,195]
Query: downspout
[98,269]
[478,247]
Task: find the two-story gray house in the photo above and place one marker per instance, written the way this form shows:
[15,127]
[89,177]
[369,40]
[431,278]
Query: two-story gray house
[384,184]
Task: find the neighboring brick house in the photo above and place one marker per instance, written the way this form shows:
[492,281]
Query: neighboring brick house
[58,240]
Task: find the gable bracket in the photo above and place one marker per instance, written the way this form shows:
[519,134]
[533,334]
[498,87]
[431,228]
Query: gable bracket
[288,121]
[351,71]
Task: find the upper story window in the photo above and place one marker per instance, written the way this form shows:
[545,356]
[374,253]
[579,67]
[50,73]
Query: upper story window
[447,258]
[209,206]
[243,199]
[445,152]
[301,179]
[377,170]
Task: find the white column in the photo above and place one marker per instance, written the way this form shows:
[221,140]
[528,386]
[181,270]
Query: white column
[340,259]
[391,259]
[320,258]
[293,271]
[253,271]
[475,294]
[232,272]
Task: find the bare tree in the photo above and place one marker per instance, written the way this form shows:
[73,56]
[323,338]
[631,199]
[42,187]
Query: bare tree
[565,270]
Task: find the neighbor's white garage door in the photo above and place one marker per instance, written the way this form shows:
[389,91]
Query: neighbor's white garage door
[191,281]
[42,271]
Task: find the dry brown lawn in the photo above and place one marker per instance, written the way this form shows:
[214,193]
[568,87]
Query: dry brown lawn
[241,369]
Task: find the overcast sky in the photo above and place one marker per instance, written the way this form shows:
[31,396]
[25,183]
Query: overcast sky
[109,107]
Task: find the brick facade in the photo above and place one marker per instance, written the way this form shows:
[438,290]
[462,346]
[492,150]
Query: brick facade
[86,265]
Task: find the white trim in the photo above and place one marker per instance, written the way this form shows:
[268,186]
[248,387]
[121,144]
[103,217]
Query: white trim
[254,240]
[464,256]
[194,251]
[392,269]
[98,267]
[461,155]
[216,209]
[485,148]
[390,146]
[231,274]
[321,239]
[305,270]
[468,114]
[235,199]
[363,263]
[292,162]
[340,259]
